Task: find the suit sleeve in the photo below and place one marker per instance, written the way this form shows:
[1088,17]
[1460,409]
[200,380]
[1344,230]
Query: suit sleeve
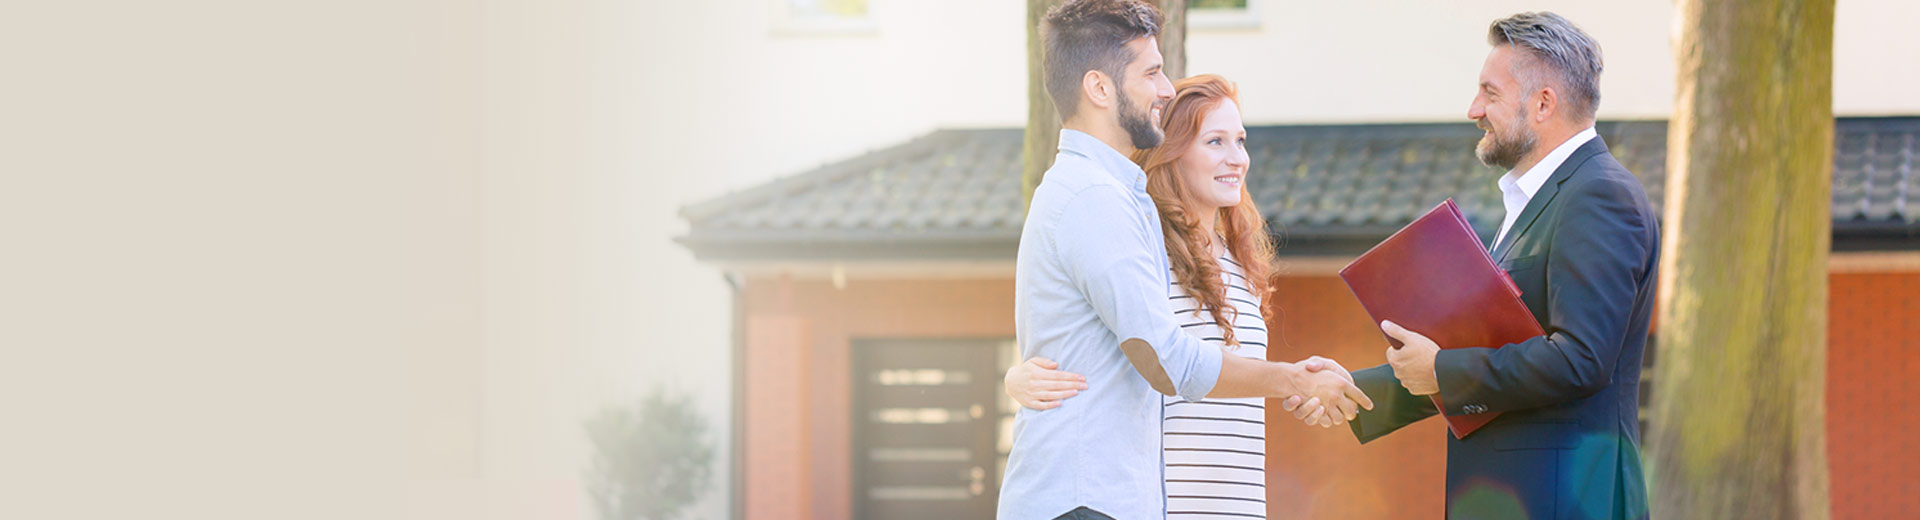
[1393,407]
[1109,254]
[1596,266]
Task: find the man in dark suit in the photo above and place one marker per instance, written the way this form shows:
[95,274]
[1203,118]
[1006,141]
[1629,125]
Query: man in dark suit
[1583,245]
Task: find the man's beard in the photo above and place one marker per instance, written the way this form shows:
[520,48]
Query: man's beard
[1141,128]
[1505,145]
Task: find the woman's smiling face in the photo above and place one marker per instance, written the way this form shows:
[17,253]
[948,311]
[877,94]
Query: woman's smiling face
[1215,165]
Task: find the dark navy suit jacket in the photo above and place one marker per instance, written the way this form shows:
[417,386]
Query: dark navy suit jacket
[1585,254]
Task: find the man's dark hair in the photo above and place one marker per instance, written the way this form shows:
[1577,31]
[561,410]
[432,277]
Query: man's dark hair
[1084,35]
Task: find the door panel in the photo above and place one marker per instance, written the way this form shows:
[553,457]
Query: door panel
[926,426]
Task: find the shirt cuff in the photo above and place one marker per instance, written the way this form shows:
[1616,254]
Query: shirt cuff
[1204,375]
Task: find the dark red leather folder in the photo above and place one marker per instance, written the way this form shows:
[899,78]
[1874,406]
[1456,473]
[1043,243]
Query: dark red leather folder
[1433,277]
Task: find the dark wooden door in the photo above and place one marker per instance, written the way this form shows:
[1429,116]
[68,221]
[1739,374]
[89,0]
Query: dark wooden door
[927,419]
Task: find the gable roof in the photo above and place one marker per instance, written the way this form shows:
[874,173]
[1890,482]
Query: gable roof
[955,194]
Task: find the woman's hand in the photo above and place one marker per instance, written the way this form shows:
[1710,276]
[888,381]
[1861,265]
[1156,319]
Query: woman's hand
[1311,410]
[1039,385]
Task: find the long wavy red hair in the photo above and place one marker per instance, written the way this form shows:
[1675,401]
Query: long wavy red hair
[1189,249]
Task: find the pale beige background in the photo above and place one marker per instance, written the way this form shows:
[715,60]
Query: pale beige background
[379,259]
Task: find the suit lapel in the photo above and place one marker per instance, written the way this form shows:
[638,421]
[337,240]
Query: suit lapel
[1544,197]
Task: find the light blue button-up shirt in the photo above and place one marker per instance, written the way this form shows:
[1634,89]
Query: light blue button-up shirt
[1092,271]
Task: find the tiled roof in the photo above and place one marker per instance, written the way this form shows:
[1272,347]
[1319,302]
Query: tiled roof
[955,194]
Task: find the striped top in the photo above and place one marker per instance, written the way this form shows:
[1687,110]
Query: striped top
[1216,448]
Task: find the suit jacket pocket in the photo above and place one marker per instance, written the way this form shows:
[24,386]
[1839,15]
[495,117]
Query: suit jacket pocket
[1555,435]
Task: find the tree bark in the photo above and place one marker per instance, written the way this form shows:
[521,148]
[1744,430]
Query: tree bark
[1173,37]
[1738,420]
[1043,121]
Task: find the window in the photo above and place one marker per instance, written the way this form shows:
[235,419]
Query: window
[1223,14]
[823,18]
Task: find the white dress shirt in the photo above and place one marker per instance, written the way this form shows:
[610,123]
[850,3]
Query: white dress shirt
[1516,190]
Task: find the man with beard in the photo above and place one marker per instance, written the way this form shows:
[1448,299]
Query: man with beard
[1582,244]
[1092,271]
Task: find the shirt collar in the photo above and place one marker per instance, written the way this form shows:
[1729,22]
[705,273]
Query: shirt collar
[1085,145]
[1530,181]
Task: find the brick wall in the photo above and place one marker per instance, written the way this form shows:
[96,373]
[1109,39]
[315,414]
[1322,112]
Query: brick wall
[1873,359]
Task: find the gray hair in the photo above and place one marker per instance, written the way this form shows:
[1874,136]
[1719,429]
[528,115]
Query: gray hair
[1550,40]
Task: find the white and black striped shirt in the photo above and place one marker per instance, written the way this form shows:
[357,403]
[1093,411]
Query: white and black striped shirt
[1216,449]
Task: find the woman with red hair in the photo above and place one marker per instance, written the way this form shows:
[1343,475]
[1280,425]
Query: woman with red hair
[1222,258]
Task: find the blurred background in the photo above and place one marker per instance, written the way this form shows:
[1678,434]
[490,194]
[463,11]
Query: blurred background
[740,258]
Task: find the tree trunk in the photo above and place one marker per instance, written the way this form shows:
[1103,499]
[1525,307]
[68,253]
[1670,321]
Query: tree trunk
[1043,121]
[1738,420]
[1173,37]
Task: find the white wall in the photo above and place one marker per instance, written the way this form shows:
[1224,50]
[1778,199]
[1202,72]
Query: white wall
[1874,52]
[1395,61]
[238,259]
[1418,61]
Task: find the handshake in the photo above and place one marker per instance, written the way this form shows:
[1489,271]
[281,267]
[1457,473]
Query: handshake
[1412,364]
[1414,367]
[1327,396]
[1317,390]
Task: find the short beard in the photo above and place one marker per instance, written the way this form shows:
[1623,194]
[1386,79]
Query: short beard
[1504,148]
[1140,127]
